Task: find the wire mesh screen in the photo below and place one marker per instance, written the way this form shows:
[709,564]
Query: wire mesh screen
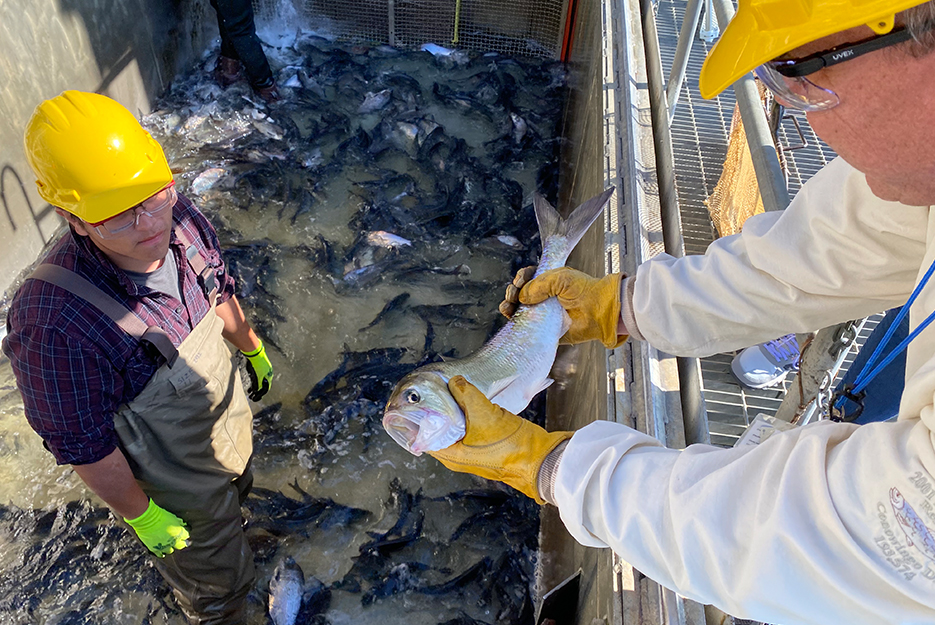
[737,194]
[417,22]
[531,28]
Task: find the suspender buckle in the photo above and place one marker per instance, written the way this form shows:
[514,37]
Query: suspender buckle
[840,414]
[206,278]
[208,282]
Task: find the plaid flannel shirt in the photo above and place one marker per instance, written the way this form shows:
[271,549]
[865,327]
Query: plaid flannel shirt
[74,366]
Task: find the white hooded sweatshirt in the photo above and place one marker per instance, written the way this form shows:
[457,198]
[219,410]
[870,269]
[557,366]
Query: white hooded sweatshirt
[828,523]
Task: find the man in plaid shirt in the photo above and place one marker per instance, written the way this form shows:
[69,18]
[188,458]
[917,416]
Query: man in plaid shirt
[118,344]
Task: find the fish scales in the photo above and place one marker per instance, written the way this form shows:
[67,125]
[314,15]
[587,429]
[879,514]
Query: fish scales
[285,592]
[511,368]
[537,329]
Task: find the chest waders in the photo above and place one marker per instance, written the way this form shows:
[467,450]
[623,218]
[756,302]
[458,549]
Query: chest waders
[188,439]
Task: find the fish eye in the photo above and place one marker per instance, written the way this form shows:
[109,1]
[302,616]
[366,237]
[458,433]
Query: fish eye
[413,397]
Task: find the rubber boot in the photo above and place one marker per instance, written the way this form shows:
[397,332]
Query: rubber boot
[269,93]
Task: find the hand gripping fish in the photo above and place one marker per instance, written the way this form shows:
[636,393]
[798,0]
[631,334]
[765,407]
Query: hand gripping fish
[511,368]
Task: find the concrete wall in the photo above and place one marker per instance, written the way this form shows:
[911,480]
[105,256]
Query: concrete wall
[584,399]
[129,50]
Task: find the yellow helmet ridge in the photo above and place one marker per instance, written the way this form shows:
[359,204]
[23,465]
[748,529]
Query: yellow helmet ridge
[91,157]
[765,29]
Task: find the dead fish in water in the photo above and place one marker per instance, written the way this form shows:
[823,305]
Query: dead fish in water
[452,56]
[207,179]
[408,526]
[290,594]
[509,241]
[375,101]
[394,304]
[279,514]
[519,127]
[379,238]
[268,128]
[511,368]
[285,592]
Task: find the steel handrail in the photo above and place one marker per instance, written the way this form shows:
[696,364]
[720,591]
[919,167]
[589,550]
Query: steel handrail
[772,184]
[682,51]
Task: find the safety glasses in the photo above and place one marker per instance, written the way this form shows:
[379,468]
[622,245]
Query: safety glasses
[787,79]
[122,223]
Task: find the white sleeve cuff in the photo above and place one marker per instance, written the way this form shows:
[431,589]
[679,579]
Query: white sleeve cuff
[626,309]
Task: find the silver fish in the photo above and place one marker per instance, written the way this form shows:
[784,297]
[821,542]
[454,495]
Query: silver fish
[268,128]
[519,127]
[285,592]
[375,101]
[511,368]
[207,179]
[380,238]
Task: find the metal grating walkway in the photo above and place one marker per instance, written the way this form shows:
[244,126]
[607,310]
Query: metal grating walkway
[700,131]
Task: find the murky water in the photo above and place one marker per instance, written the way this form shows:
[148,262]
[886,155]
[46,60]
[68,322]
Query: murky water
[371,219]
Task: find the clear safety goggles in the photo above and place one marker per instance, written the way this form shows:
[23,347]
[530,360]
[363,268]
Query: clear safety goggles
[122,223]
[787,79]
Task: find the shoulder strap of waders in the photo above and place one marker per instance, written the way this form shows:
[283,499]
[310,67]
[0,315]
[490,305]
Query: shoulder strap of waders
[206,276]
[120,314]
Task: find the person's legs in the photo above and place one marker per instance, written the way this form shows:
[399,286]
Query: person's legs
[239,40]
[212,576]
[228,68]
[227,47]
[244,483]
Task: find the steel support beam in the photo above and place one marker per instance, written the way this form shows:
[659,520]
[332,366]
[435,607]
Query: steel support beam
[694,415]
[682,52]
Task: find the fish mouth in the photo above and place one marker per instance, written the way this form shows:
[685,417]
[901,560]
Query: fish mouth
[402,429]
[424,431]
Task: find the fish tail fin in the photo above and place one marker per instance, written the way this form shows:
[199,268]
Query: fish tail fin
[560,236]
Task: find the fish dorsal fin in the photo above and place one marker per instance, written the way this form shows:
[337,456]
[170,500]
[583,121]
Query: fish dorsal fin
[501,385]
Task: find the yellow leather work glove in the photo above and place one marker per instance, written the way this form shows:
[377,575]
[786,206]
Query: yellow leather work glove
[592,303]
[161,531]
[261,372]
[498,445]
[511,298]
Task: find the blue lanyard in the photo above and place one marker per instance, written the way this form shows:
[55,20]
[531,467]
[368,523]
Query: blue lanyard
[871,369]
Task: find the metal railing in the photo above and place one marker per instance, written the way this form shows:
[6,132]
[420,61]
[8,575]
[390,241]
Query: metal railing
[824,352]
[649,390]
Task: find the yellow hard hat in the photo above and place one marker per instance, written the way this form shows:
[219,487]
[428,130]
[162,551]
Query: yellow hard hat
[765,29]
[91,157]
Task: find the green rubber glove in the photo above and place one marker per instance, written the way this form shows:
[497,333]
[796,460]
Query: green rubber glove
[161,531]
[261,372]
